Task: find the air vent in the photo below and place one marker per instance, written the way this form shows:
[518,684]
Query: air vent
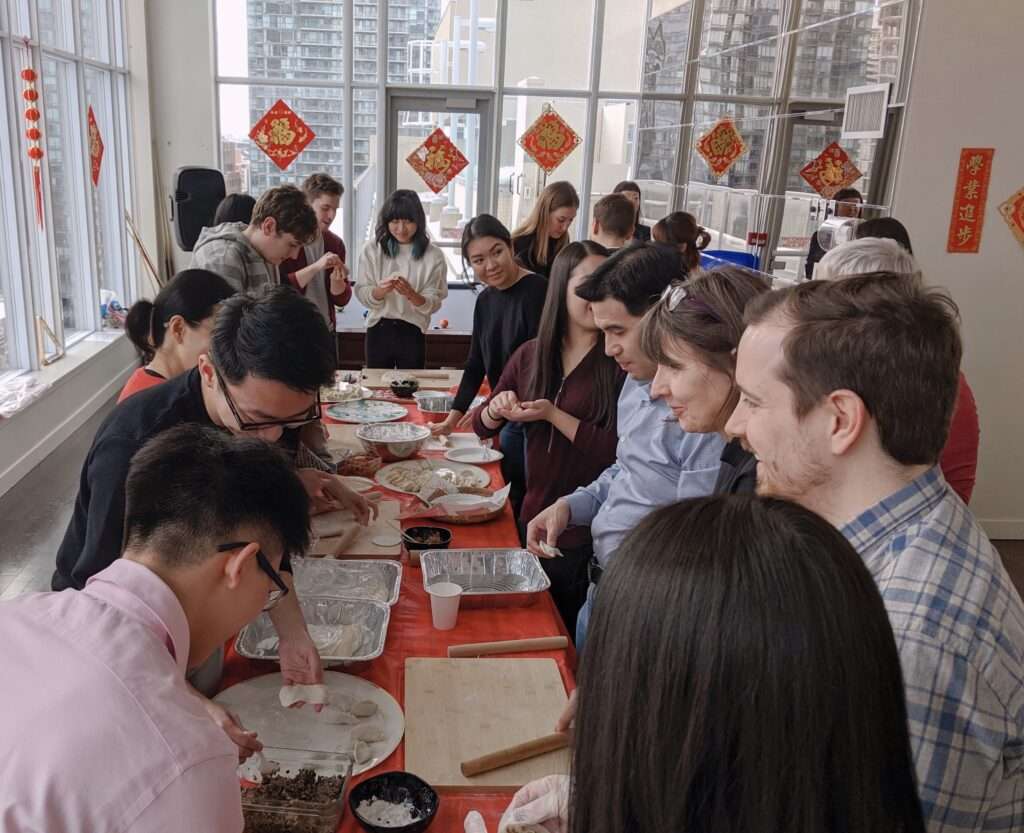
[865,113]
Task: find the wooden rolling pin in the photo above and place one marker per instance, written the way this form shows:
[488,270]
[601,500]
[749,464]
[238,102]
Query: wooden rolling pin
[514,754]
[511,646]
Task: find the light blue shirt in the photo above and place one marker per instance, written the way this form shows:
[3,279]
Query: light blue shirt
[656,463]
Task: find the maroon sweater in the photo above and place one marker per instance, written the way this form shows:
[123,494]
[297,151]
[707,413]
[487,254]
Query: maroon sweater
[332,244]
[556,467]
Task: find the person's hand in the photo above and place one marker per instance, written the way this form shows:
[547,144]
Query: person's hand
[329,261]
[535,411]
[568,717]
[543,803]
[339,279]
[345,498]
[384,288]
[300,662]
[451,422]
[247,742]
[502,405]
[548,526]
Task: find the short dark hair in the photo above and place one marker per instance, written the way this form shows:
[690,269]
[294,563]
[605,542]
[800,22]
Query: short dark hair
[290,210]
[888,228]
[615,214]
[315,185]
[192,293]
[884,336]
[626,185]
[635,276]
[193,487]
[740,673]
[235,208]
[403,204]
[848,194]
[279,335]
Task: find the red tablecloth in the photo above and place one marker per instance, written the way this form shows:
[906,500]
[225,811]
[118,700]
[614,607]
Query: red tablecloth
[411,634]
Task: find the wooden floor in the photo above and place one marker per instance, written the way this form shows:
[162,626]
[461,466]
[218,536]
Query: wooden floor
[35,513]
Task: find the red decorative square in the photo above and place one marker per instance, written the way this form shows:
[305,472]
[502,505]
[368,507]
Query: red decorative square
[281,134]
[1013,212]
[438,161]
[831,171]
[549,140]
[95,147]
[721,146]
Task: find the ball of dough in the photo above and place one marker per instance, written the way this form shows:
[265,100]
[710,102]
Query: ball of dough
[369,734]
[314,695]
[364,708]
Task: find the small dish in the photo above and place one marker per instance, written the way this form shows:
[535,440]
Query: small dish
[473,454]
[404,388]
[421,538]
[396,788]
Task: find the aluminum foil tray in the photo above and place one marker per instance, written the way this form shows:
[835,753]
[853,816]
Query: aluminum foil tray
[372,580]
[489,578]
[331,623]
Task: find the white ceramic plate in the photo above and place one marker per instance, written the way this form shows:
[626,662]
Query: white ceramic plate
[404,476]
[473,454]
[256,703]
[367,411]
[345,392]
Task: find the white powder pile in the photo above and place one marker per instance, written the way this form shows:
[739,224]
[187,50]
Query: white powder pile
[385,814]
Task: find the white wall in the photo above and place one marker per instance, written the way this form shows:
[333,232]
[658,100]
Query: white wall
[966,93]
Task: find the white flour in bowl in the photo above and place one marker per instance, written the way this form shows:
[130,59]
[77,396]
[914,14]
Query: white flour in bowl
[385,814]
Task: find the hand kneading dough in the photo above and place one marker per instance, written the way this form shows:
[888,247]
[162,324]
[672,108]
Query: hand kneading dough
[364,708]
[314,695]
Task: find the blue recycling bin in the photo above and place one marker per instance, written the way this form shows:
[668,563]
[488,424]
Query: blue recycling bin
[711,258]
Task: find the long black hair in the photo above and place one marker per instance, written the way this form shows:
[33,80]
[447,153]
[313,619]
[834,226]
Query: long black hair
[548,373]
[193,294]
[483,225]
[235,208]
[740,674]
[403,204]
[885,227]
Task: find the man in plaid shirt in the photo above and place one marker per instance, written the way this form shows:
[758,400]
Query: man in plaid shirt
[847,390]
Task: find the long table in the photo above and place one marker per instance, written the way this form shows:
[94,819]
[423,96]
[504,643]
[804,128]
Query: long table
[411,635]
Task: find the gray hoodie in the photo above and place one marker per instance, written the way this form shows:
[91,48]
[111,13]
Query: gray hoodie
[227,252]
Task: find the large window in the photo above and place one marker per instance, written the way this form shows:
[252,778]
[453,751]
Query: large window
[59,273]
[640,82]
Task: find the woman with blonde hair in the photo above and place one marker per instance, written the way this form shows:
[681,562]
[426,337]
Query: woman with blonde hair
[545,232]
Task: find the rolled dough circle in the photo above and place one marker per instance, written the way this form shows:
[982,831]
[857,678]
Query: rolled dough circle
[386,539]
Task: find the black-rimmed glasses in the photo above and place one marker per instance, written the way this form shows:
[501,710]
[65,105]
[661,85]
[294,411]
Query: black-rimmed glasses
[312,415]
[274,596]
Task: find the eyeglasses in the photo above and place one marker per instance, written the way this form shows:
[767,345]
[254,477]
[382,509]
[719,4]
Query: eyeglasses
[274,596]
[675,293]
[312,415]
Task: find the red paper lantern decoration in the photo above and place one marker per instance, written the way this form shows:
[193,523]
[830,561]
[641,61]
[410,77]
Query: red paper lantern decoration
[28,74]
[32,114]
[35,153]
[34,136]
[30,95]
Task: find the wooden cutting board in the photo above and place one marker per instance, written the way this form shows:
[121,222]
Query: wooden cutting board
[362,545]
[428,379]
[458,709]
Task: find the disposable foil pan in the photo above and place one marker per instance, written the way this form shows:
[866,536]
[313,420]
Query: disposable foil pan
[488,578]
[372,580]
[325,618]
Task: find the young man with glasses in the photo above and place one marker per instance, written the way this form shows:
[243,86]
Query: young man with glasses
[99,728]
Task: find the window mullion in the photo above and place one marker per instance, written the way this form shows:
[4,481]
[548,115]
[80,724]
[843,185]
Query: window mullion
[681,175]
[596,44]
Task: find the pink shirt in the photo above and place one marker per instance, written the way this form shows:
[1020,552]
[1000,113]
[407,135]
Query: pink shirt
[98,729]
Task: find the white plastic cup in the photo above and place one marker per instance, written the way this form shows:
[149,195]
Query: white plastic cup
[444,604]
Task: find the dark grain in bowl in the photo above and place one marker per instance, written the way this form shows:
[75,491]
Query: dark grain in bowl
[427,538]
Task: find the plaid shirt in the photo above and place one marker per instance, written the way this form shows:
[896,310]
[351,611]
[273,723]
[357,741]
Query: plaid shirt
[959,627]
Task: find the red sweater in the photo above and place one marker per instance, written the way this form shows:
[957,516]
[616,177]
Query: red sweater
[959,460]
[555,467]
[334,245]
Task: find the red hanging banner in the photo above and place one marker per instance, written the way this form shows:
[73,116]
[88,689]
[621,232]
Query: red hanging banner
[549,140]
[438,161]
[969,200]
[95,148]
[721,146]
[831,171]
[281,134]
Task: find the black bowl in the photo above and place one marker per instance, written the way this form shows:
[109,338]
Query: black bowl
[412,538]
[405,388]
[396,787]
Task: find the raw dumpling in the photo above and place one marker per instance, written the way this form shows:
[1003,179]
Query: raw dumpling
[362,752]
[364,708]
[337,716]
[314,695]
[369,734]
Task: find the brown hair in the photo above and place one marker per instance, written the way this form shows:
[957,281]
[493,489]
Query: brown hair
[681,229]
[626,185]
[556,195]
[316,185]
[709,319]
[615,214]
[288,206]
[884,336]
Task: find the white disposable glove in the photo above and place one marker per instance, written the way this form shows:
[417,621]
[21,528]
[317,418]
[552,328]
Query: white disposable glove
[540,807]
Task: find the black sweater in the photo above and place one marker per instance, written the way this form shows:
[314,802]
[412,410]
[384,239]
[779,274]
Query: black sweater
[503,319]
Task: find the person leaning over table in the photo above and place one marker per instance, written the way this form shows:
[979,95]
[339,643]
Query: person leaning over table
[846,393]
[99,729]
[563,388]
[740,675]
[656,462]
[545,232]
[268,356]
[173,330]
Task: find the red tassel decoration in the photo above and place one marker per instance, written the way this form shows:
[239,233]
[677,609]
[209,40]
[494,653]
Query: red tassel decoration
[34,136]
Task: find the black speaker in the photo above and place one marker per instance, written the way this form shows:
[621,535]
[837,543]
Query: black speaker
[197,193]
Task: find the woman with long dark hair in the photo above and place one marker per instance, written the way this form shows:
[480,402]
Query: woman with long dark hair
[740,675]
[172,330]
[403,279]
[545,232]
[681,230]
[563,388]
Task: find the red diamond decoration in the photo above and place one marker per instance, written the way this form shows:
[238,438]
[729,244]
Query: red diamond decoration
[281,134]
[1013,212]
[721,146]
[438,161]
[95,147]
[831,171]
[549,140]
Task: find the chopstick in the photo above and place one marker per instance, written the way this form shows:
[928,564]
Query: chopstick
[514,754]
[511,646]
